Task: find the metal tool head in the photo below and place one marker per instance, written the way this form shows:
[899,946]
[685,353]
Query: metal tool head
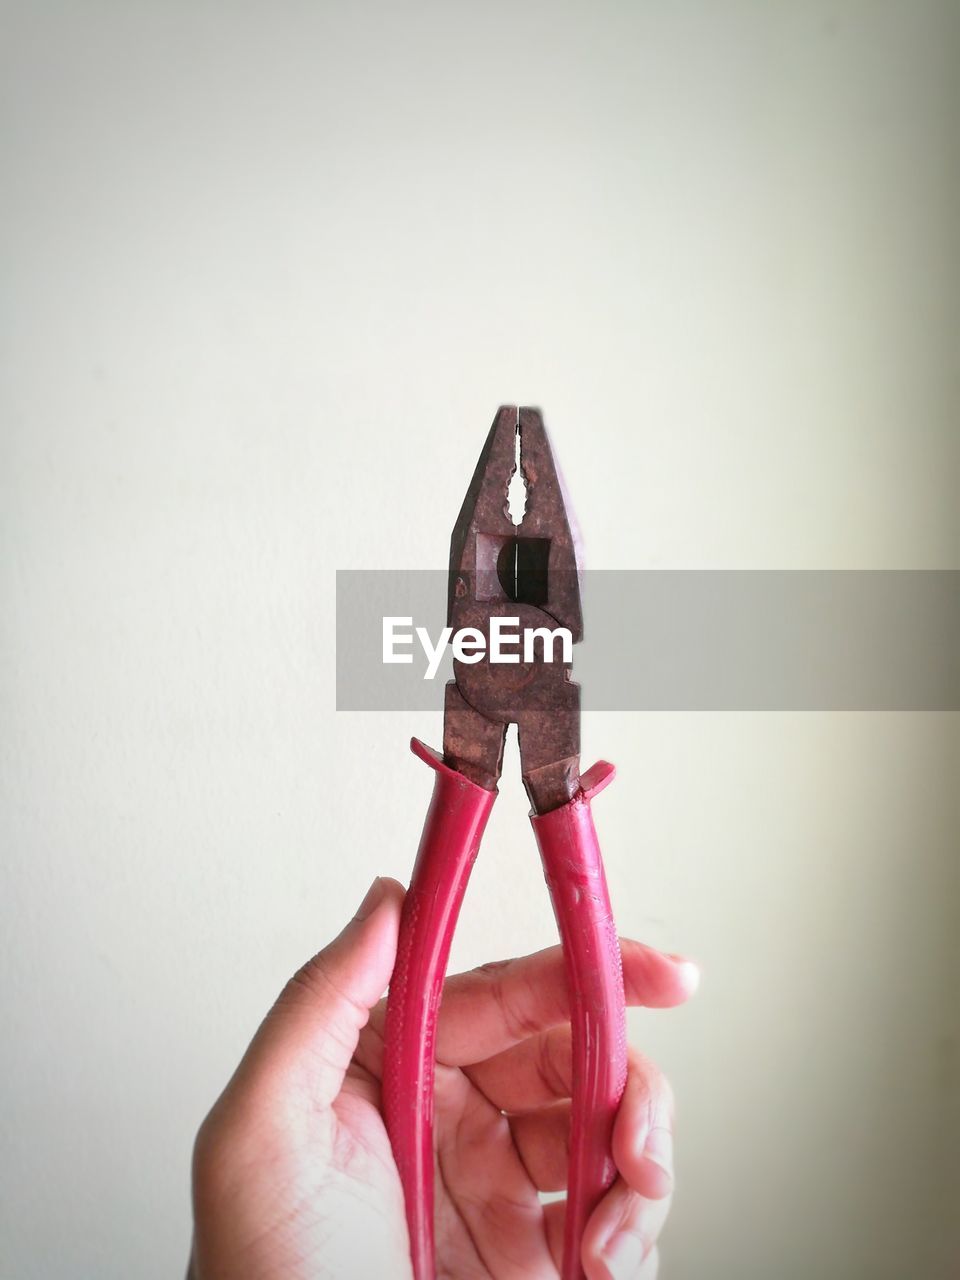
[529,571]
[535,561]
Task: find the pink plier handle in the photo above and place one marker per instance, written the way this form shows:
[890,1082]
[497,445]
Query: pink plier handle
[591,952]
[448,848]
[573,867]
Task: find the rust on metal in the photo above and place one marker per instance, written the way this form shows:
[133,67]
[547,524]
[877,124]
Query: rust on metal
[529,571]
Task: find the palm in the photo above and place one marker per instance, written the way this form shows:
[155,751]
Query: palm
[489,1217]
[294,1175]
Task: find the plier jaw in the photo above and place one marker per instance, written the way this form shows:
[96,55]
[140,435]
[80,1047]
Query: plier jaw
[528,571]
[535,561]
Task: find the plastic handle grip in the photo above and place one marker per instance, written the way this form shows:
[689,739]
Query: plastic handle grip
[448,848]
[581,902]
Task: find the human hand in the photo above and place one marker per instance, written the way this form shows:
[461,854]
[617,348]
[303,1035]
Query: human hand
[293,1175]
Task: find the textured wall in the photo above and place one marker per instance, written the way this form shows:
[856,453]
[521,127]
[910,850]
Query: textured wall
[268,270]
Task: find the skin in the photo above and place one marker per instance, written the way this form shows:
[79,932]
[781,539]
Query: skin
[293,1176]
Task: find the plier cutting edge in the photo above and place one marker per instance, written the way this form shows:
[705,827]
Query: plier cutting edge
[530,572]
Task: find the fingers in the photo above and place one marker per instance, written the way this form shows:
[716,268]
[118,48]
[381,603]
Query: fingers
[619,1242]
[642,1136]
[490,1009]
[643,1130]
[539,1072]
[534,1073]
[312,1029]
[542,1139]
[498,1005]
[595,1267]
[620,1238]
[651,1268]
[485,1184]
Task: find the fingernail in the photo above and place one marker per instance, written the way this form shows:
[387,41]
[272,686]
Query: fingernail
[623,1254]
[369,903]
[690,972]
[658,1150]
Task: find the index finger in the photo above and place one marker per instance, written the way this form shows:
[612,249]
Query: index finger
[497,1005]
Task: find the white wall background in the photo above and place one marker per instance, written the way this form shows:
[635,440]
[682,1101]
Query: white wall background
[268,269]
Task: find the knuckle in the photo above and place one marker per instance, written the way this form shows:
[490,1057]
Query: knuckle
[234,1139]
[316,981]
[214,1151]
[309,981]
[650,1087]
[519,1023]
[553,1063]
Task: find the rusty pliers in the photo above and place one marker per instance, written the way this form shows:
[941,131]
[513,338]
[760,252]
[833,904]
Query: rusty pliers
[528,572]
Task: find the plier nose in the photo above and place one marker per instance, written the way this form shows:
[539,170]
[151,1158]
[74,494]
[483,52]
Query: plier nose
[527,572]
[534,561]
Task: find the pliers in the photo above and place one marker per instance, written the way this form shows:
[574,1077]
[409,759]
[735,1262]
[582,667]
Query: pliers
[528,571]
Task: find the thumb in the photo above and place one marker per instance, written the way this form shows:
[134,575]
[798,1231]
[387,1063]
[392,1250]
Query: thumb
[314,1026]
